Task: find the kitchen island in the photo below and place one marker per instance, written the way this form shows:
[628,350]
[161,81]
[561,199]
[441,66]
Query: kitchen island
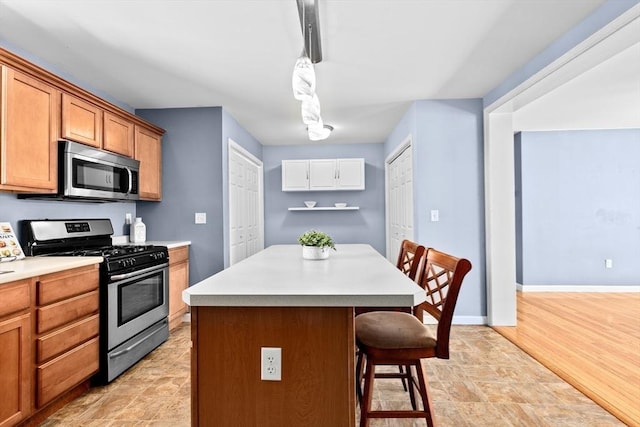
[277,299]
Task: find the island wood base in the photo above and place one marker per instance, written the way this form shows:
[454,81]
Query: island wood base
[317,387]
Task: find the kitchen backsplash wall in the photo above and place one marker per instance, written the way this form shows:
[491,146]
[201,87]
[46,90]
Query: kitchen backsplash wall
[13,210]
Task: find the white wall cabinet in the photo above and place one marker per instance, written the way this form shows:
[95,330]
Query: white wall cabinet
[323,175]
[295,175]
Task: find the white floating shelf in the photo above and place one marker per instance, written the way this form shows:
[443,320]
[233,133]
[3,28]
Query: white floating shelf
[327,208]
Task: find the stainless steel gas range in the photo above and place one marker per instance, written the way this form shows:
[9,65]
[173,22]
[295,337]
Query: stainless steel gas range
[134,286]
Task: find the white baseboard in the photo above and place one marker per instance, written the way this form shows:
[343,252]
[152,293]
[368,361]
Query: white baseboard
[577,288]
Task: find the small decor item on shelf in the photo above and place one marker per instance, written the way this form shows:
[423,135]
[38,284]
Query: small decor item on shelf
[340,205]
[309,203]
[316,244]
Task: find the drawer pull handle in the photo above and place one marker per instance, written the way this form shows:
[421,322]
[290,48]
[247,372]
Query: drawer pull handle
[134,345]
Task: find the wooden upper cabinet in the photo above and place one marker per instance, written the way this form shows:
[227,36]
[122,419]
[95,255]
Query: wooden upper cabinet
[29,117]
[81,121]
[118,134]
[148,150]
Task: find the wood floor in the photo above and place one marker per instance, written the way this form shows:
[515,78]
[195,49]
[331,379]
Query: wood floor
[591,340]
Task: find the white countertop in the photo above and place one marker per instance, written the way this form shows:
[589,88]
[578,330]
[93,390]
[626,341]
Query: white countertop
[36,266]
[354,275]
[170,244]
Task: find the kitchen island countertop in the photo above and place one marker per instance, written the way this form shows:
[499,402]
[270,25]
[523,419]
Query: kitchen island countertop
[354,275]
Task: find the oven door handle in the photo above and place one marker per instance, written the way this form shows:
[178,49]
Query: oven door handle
[118,277]
[134,345]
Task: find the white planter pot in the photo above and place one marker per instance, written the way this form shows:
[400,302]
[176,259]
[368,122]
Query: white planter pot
[314,252]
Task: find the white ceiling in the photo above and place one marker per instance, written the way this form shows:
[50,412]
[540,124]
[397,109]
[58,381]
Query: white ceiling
[379,55]
[607,96]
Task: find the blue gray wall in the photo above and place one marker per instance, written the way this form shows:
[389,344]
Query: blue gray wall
[577,204]
[194,179]
[448,176]
[13,210]
[231,129]
[191,182]
[362,226]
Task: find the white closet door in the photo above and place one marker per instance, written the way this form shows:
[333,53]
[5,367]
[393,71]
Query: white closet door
[246,229]
[237,217]
[252,207]
[399,201]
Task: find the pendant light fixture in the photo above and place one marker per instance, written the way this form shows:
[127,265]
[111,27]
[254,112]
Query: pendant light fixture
[310,109]
[319,132]
[303,80]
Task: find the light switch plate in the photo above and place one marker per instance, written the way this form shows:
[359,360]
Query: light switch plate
[201,217]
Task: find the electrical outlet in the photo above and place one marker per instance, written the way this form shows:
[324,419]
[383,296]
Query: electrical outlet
[608,263]
[271,364]
[127,218]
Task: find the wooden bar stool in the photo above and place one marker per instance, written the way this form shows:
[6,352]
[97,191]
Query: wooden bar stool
[409,259]
[396,338]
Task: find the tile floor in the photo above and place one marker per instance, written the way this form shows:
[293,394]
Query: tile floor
[487,382]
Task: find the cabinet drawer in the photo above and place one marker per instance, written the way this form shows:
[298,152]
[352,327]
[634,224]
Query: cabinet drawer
[59,286]
[66,371]
[65,339]
[66,311]
[14,297]
[177,255]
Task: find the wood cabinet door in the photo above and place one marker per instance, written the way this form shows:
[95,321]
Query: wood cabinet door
[117,135]
[148,150]
[15,377]
[29,115]
[178,282]
[295,175]
[350,174]
[322,174]
[81,121]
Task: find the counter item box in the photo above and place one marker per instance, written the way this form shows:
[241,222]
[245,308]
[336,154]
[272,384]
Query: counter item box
[10,248]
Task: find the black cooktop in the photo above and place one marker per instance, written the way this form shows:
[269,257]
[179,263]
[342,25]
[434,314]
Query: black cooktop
[105,251]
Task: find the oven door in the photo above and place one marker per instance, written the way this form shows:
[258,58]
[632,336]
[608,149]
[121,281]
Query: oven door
[136,301]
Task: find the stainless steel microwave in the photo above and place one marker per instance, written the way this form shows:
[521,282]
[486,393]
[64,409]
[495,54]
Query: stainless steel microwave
[89,174]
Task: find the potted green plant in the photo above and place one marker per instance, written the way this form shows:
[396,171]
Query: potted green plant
[316,244]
